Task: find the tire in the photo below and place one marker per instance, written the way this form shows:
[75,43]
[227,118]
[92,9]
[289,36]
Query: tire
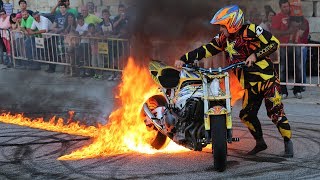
[160,140]
[218,131]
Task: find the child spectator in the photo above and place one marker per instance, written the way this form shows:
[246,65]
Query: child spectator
[93,35]
[8,7]
[106,25]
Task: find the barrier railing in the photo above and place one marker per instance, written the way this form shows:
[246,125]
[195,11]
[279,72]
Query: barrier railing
[72,50]
[299,64]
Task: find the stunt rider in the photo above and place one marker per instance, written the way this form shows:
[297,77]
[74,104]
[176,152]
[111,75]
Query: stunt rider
[252,44]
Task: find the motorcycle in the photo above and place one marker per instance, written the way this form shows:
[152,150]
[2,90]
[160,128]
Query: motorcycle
[193,108]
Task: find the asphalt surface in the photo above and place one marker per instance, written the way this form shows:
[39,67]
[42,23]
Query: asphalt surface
[27,153]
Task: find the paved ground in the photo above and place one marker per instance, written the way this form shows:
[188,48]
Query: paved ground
[27,153]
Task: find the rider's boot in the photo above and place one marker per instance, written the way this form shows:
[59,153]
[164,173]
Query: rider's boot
[260,146]
[288,149]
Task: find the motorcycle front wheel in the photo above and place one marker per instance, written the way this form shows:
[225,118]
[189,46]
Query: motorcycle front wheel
[218,131]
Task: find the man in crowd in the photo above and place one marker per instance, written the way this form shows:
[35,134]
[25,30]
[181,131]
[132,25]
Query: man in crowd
[285,29]
[73,11]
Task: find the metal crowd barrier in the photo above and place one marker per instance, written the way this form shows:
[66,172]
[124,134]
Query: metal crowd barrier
[299,64]
[71,50]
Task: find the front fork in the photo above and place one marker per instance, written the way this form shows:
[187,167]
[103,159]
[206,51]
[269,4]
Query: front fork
[218,110]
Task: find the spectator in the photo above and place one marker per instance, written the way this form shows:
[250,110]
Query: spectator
[301,35]
[84,47]
[39,26]
[15,21]
[71,36]
[70,24]
[59,19]
[266,24]
[57,28]
[73,52]
[281,28]
[5,26]
[90,18]
[93,35]
[73,11]
[121,21]
[92,9]
[1,4]
[106,25]
[82,27]
[29,41]
[255,16]
[23,7]
[8,7]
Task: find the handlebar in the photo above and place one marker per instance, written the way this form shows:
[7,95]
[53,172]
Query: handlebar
[214,70]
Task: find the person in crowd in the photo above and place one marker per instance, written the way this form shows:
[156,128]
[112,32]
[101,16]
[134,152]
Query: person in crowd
[8,7]
[5,26]
[56,8]
[59,19]
[15,21]
[29,41]
[82,27]
[120,25]
[70,24]
[1,4]
[71,36]
[285,29]
[269,12]
[39,26]
[74,52]
[255,16]
[24,7]
[258,79]
[106,25]
[93,35]
[90,18]
[57,28]
[92,8]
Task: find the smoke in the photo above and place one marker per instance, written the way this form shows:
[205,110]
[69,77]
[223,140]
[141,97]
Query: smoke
[173,24]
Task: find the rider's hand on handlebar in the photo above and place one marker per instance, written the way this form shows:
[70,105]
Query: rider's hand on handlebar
[251,59]
[178,64]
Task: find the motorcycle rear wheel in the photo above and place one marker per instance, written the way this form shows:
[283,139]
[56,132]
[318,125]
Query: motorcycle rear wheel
[160,140]
[218,131]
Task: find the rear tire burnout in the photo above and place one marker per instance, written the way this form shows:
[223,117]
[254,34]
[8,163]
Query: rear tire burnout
[160,139]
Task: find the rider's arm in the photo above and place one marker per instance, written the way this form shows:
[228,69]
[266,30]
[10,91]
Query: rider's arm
[268,43]
[205,51]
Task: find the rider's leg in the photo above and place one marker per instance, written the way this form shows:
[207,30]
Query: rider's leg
[275,111]
[248,115]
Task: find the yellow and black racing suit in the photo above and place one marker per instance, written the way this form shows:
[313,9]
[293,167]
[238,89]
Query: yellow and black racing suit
[260,80]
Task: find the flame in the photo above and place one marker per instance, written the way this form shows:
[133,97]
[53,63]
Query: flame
[126,130]
[54,124]
[236,89]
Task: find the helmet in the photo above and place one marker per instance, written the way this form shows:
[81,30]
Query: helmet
[231,17]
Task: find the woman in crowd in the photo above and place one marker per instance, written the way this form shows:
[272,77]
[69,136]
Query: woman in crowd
[70,24]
